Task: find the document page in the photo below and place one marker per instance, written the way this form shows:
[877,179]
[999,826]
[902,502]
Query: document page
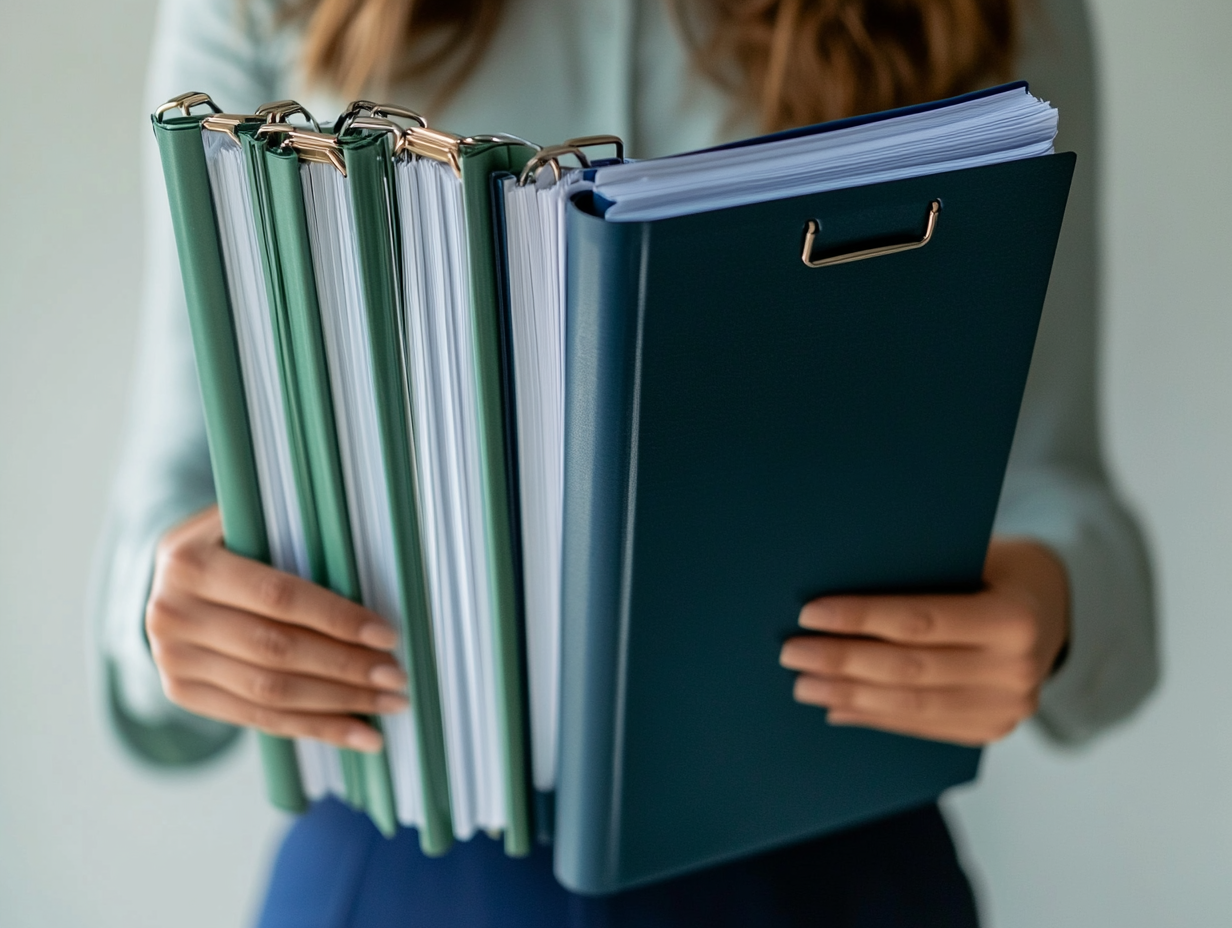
[344,326]
[535,241]
[440,362]
[968,133]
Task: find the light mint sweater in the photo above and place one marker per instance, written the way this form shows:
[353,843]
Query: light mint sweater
[564,68]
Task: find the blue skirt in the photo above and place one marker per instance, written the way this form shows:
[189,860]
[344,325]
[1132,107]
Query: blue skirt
[336,871]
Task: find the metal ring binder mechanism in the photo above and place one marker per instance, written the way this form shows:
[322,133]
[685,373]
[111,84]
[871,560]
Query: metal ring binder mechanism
[185,103]
[550,156]
[357,108]
[280,110]
[227,123]
[813,227]
[310,146]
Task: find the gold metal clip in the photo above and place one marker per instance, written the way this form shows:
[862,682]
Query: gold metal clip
[388,109]
[595,141]
[813,227]
[432,143]
[375,124]
[318,147]
[357,108]
[278,112]
[185,102]
[417,140]
[227,123]
[500,138]
[550,158]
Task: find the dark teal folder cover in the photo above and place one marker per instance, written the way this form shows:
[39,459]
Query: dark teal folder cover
[744,433]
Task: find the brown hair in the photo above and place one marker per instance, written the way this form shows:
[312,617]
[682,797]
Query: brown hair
[793,61]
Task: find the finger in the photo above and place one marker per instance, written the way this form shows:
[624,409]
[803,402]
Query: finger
[966,734]
[874,661]
[280,646]
[986,619]
[341,730]
[250,586]
[959,705]
[272,688]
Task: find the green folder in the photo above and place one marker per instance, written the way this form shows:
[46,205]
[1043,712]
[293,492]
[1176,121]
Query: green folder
[479,163]
[222,388]
[310,421]
[278,208]
[369,170]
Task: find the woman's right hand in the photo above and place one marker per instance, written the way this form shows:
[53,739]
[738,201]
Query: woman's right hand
[239,641]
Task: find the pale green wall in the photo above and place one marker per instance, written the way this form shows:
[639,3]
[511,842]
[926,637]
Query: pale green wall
[1135,832]
[87,838]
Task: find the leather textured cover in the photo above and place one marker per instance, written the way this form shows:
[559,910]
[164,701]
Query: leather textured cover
[744,433]
[222,387]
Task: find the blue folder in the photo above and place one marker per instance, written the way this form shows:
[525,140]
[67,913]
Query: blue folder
[744,433]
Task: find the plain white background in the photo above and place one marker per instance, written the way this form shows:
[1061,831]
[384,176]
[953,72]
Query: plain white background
[1133,831]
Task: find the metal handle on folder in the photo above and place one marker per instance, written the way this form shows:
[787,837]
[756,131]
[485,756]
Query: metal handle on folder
[813,227]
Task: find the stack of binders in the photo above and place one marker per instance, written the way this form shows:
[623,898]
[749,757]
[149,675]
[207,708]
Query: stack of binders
[589,432]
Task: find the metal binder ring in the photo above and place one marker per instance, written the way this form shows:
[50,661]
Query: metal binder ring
[388,109]
[278,112]
[227,123]
[550,157]
[185,102]
[309,146]
[500,138]
[357,108]
[596,141]
[373,124]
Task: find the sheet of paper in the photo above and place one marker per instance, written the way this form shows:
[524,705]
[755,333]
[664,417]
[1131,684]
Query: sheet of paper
[535,239]
[988,130]
[440,356]
[344,325]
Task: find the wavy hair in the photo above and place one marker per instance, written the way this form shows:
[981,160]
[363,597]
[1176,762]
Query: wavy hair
[794,62]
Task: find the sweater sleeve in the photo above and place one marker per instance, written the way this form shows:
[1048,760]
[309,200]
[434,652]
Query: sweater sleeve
[164,471]
[1057,490]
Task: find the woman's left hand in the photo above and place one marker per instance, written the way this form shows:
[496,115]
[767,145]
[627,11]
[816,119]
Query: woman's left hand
[965,668]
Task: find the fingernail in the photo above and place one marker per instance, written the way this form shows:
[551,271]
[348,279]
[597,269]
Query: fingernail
[789,652]
[364,739]
[388,677]
[388,702]
[812,689]
[378,635]
[818,615]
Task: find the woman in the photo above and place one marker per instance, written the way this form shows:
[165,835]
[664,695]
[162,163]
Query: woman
[1063,631]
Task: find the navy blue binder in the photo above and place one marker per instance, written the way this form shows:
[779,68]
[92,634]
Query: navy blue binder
[743,433]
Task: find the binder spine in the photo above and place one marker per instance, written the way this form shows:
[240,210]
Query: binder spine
[477,166]
[538,821]
[368,166]
[310,423]
[222,392]
[606,266]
